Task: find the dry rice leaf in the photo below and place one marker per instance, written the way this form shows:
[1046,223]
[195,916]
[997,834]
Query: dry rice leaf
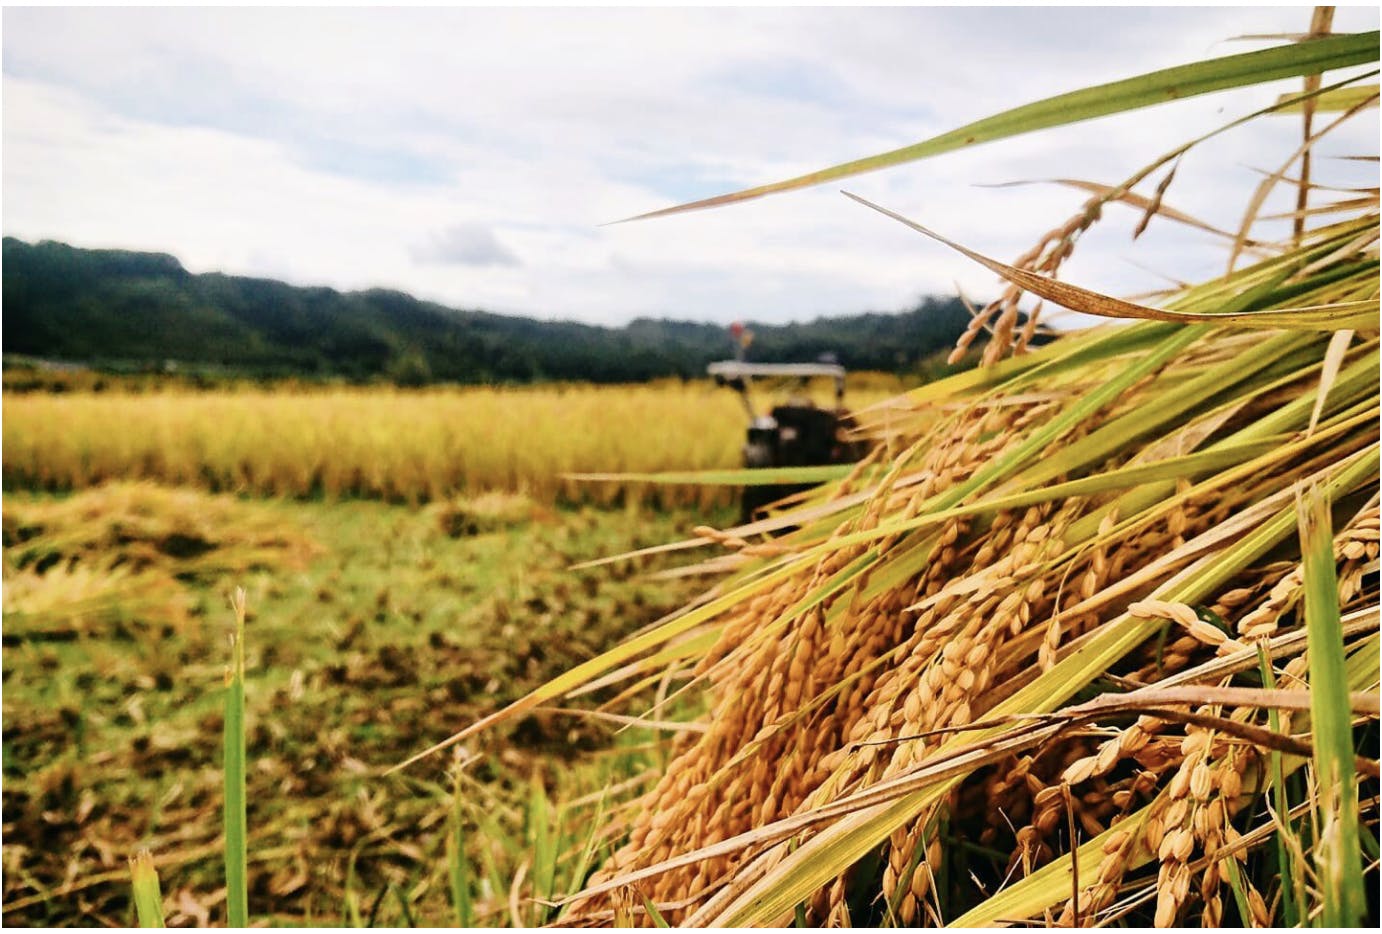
[1332,317]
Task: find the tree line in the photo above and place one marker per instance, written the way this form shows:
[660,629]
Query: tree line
[127,310]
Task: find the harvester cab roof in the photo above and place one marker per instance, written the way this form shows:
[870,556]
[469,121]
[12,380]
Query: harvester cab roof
[739,375]
[795,432]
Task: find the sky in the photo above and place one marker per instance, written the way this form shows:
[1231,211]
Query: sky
[476,156]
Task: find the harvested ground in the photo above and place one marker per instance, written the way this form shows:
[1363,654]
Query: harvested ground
[373,631]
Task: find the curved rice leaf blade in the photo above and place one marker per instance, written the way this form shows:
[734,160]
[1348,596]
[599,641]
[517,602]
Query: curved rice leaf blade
[1304,58]
[1357,315]
[1338,865]
[1335,101]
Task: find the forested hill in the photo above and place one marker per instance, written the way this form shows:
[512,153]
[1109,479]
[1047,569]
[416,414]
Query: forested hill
[115,307]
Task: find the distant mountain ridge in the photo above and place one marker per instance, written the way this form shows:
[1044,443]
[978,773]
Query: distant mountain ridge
[116,306]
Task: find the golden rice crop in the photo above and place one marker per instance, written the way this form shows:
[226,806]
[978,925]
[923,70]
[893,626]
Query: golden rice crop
[397,445]
[1092,634]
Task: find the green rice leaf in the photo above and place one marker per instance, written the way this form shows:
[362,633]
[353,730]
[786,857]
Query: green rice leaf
[1338,863]
[1301,58]
[542,839]
[653,913]
[148,900]
[236,832]
[1335,101]
[457,864]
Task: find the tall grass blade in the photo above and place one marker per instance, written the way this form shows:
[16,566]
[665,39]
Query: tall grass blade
[543,840]
[653,913]
[591,845]
[148,900]
[1338,862]
[1333,360]
[458,866]
[352,894]
[404,909]
[236,830]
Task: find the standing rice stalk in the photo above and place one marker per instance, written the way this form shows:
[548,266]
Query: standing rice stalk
[236,832]
[148,900]
[457,862]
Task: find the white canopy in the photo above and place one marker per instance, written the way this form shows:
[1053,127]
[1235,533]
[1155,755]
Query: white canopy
[732,369]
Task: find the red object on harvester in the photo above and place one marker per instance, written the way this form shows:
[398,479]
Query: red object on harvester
[737,328]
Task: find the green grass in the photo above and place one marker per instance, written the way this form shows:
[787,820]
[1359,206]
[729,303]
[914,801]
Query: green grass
[397,634]
[148,900]
[457,862]
[1338,865]
[235,822]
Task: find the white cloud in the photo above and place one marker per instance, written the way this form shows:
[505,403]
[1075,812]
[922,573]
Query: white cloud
[355,147]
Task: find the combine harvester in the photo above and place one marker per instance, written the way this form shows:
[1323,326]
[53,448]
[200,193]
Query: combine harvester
[796,432]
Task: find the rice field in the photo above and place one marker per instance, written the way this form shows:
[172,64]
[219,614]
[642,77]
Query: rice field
[1089,637]
[400,446]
